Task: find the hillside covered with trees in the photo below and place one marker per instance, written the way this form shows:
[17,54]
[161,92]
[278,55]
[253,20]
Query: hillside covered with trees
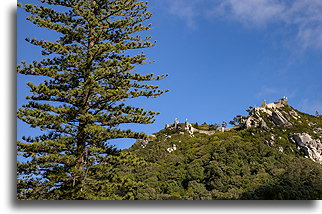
[244,163]
[81,90]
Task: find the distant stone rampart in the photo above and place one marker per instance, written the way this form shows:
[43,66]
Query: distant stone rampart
[187,127]
[269,108]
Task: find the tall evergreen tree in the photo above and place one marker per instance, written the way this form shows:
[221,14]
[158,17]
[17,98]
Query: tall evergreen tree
[89,75]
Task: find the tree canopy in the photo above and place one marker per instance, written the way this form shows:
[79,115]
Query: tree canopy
[88,75]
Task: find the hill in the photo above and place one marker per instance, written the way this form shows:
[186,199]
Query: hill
[272,153]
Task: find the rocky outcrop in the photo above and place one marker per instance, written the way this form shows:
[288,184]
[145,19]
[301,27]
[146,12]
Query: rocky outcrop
[310,147]
[271,115]
[173,148]
[144,142]
[274,116]
[279,120]
[255,121]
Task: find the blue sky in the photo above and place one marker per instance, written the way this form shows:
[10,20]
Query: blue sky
[222,56]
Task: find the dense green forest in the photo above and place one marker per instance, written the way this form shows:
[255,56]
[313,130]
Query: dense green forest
[242,163]
[237,164]
[79,102]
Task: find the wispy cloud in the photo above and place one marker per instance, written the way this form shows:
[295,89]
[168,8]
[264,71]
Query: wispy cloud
[306,15]
[301,19]
[250,12]
[310,106]
[184,10]
[267,92]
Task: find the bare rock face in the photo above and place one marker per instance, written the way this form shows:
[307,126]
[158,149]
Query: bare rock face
[312,148]
[255,121]
[275,115]
[279,120]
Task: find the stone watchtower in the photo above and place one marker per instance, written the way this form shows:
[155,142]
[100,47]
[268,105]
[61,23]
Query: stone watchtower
[176,122]
[187,126]
[284,101]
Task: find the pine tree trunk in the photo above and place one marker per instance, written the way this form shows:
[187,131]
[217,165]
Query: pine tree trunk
[81,136]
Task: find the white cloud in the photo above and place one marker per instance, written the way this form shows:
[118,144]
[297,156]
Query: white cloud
[184,10]
[266,92]
[300,19]
[309,106]
[252,12]
[306,15]
[303,16]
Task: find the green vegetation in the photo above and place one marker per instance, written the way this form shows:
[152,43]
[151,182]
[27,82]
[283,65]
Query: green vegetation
[87,78]
[238,164]
[230,165]
[87,75]
[205,126]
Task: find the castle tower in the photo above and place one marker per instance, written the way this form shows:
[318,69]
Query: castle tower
[264,103]
[176,122]
[221,129]
[284,101]
[186,125]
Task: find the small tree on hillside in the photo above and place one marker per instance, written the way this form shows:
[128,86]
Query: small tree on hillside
[224,124]
[88,77]
[236,120]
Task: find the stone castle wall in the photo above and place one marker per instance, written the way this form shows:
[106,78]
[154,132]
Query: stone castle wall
[187,127]
[247,123]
